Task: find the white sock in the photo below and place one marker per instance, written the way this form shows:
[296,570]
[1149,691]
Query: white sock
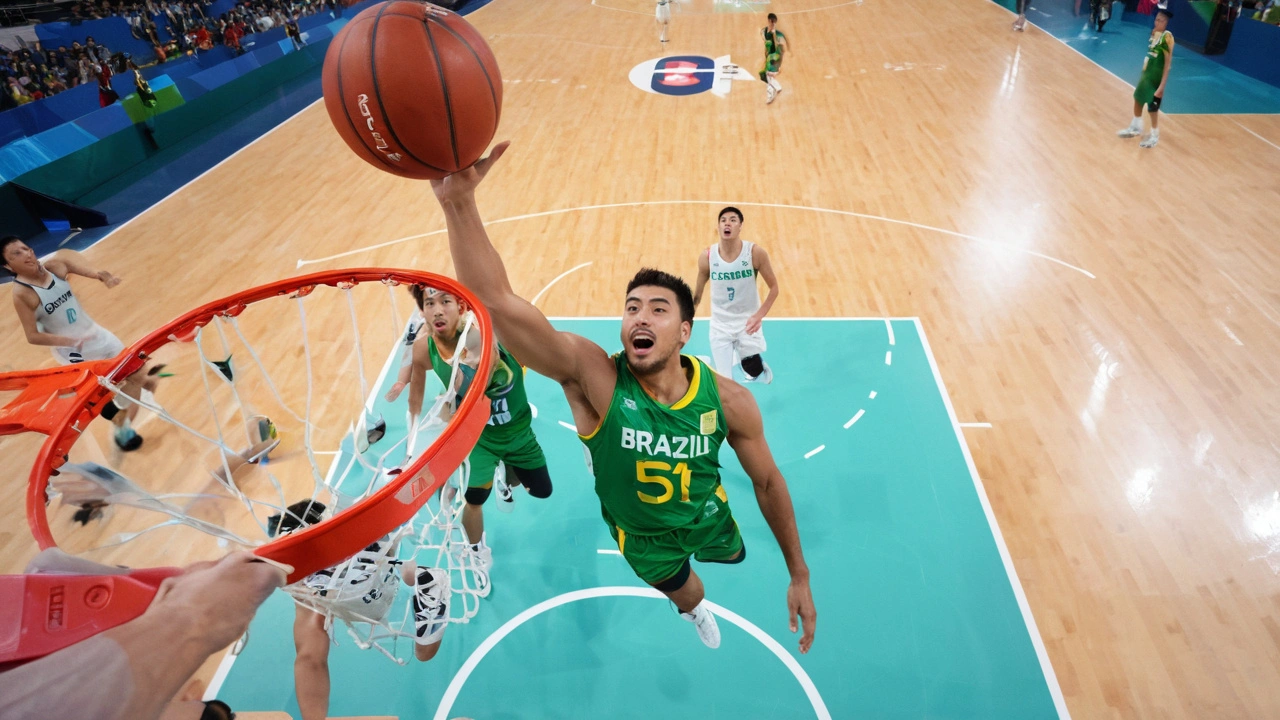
[1136,124]
[773,82]
[1155,132]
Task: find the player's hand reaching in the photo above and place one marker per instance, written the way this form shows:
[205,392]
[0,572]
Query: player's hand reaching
[753,324]
[463,183]
[108,279]
[395,391]
[800,601]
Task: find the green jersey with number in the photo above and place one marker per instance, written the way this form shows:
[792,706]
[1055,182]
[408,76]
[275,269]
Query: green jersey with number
[657,465]
[509,414]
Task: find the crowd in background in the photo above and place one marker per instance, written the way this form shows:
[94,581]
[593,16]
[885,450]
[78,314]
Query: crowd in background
[191,26]
[29,74]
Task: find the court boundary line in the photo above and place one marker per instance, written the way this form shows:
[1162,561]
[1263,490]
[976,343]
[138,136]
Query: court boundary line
[1242,127]
[776,206]
[473,660]
[1028,619]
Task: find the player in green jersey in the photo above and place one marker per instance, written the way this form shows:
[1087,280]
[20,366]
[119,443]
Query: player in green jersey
[1155,75]
[775,44]
[508,438]
[653,421]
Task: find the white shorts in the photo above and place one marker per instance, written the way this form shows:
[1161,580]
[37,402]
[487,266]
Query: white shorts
[664,13]
[725,344]
[357,594]
[100,344]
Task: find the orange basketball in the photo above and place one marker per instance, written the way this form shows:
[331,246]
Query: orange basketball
[413,89]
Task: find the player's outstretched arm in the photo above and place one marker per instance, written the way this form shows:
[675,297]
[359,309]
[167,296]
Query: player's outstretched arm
[70,262]
[522,328]
[704,274]
[746,437]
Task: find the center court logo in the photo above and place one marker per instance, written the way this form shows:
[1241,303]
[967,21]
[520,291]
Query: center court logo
[681,75]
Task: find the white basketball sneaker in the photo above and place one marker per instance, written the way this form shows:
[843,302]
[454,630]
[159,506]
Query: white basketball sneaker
[1150,140]
[506,500]
[477,559]
[765,377]
[705,622]
[430,605]
[770,95]
[1134,130]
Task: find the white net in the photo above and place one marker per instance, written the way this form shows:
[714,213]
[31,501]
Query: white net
[265,407]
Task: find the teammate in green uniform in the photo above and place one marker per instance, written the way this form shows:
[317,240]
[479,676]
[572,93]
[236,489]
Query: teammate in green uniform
[1155,75]
[653,421]
[507,439]
[775,44]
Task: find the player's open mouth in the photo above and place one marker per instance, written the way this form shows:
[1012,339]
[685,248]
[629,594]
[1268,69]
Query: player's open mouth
[439,324]
[642,344]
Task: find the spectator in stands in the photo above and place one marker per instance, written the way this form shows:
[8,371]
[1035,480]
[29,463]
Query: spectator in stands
[17,93]
[294,32]
[106,94]
[232,35]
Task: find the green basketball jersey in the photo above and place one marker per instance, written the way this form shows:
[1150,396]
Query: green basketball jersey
[509,414]
[1153,64]
[657,465]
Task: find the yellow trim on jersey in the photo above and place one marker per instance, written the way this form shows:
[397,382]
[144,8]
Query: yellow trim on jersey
[599,425]
[693,384]
[721,494]
[622,540]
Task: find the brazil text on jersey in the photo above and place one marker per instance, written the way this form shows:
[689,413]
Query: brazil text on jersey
[679,446]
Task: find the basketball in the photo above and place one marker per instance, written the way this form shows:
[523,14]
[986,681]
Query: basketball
[413,89]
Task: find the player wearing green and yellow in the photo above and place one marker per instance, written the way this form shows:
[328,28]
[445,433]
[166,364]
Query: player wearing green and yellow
[1155,75]
[508,438]
[653,421]
[775,44]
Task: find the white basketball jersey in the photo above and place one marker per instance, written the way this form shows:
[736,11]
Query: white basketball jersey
[59,313]
[734,297]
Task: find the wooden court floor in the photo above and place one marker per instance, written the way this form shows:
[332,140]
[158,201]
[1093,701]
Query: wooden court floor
[1111,312]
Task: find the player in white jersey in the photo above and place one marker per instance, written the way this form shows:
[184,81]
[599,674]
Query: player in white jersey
[361,590]
[51,316]
[664,18]
[732,266]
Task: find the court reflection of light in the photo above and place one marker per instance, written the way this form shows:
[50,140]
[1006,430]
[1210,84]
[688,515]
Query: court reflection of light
[1141,487]
[1203,441]
[1263,520]
[1098,392]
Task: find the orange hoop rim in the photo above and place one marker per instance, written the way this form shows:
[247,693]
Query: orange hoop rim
[337,538]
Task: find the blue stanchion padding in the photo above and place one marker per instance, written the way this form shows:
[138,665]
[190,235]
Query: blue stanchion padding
[214,56]
[162,81]
[190,89]
[317,34]
[244,64]
[262,39]
[268,53]
[70,104]
[1254,50]
[63,140]
[213,77]
[285,46]
[19,157]
[10,127]
[107,121]
[314,21]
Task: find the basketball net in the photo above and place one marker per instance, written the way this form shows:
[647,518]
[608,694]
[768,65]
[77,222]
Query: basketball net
[268,403]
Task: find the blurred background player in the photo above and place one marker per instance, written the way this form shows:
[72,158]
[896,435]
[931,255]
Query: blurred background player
[775,44]
[360,590]
[1021,23]
[736,311]
[1151,85]
[508,439]
[51,316]
[664,19]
